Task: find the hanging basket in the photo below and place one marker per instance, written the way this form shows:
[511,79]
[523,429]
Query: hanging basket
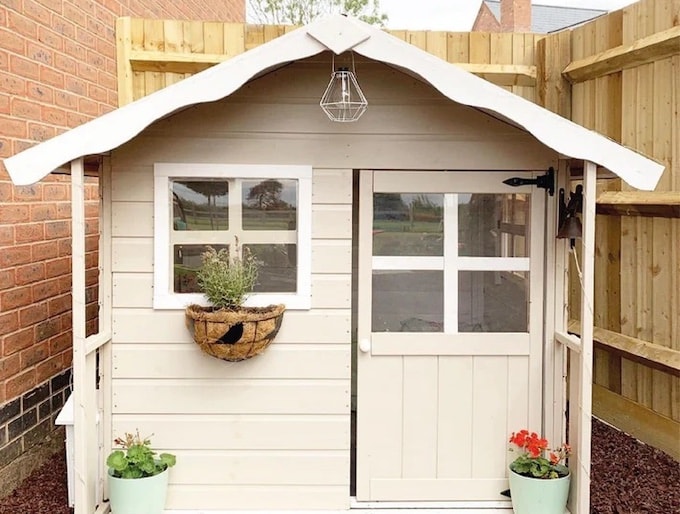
[234,335]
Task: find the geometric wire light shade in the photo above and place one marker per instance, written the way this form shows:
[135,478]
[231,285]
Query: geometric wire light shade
[343,100]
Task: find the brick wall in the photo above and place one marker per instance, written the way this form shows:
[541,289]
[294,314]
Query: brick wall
[57,70]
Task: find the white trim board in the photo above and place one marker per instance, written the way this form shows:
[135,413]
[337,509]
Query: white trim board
[334,32]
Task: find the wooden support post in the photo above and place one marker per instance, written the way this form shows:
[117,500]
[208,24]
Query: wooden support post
[83,383]
[123,63]
[582,363]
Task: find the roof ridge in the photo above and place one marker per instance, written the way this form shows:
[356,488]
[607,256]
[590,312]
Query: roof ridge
[567,7]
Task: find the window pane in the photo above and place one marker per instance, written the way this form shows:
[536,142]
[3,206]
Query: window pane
[493,301]
[408,224]
[277,272]
[200,205]
[408,301]
[269,204]
[187,260]
[493,225]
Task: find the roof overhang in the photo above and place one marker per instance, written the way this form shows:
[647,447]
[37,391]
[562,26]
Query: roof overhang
[337,34]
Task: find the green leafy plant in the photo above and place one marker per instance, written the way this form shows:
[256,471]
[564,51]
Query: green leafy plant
[226,281]
[532,462]
[301,12]
[137,459]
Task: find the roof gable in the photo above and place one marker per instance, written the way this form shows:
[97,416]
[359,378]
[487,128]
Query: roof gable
[119,126]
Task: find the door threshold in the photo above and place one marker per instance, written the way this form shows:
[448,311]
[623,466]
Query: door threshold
[461,507]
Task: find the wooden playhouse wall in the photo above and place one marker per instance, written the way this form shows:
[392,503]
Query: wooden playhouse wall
[619,75]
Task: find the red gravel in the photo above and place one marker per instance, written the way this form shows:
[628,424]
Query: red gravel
[628,477]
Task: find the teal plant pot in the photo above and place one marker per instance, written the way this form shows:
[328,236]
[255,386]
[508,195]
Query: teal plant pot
[138,495]
[537,495]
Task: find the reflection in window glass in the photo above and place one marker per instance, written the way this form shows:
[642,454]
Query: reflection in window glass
[200,205]
[408,301]
[187,260]
[408,224]
[493,301]
[493,225]
[277,272]
[269,204]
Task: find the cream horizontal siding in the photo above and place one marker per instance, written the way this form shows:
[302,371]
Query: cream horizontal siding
[135,326]
[290,361]
[241,431]
[256,497]
[276,428]
[229,396]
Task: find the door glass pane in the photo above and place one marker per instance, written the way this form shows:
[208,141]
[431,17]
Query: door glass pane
[277,272]
[200,205]
[408,224]
[269,204]
[187,260]
[408,301]
[493,225]
[493,301]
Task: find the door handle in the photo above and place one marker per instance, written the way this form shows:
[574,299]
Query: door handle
[365,345]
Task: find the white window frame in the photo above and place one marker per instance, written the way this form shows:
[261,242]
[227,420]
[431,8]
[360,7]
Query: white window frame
[164,297]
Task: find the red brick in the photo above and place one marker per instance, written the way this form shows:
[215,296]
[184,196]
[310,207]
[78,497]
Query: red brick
[43,251]
[4,103]
[40,54]
[37,12]
[43,211]
[57,229]
[30,193]
[13,128]
[29,232]
[22,25]
[33,314]
[71,12]
[63,211]
[66,100]
[48,328]
[58,267]
[53,5]
[12,84]
[67,64]
[14,298]
[12,41]
[17,341]
[40,132]
[52,77]
[6,235]
[9,322]
[6,279]
[50,38]
[88,107]
[59,305]
[24,67]
[53,115]
[54,192]
[66,321]
[40,92]
[9,366]
[75,49]
[61,343]
[77,119]
[21,383]
[35,354]
[47,289]
[75,85]
[64,27]
[87,39]
[49,368]
[67,357]
[14,213]
[15,255]
[91,277]
[5,148]
[30,273]
[25,109]
[65,247]
[6,192]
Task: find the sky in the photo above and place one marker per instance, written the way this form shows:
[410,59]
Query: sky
[458,15]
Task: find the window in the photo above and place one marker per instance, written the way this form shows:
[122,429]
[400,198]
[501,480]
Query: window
[267,208]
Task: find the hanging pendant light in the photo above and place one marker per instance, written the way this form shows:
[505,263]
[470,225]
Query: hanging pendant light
[343,100]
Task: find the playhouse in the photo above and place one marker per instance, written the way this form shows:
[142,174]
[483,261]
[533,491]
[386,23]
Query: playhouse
[415,250]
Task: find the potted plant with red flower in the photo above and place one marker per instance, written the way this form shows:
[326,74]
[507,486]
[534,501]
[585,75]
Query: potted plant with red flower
[538,483]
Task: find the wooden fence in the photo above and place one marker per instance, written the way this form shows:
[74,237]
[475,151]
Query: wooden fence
[619,75]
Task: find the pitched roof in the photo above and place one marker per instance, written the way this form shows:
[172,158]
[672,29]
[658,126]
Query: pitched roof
[550,18]
[338,34]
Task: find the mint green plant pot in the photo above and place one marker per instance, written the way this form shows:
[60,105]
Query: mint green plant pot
[138,495]
[537,495]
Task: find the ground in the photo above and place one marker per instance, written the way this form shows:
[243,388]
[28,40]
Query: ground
[628,477]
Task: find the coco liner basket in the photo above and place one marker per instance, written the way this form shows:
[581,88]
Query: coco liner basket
[234,335]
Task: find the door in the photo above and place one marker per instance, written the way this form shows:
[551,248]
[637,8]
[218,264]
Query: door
[450,332]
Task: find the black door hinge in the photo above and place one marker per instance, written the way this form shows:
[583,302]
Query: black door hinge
[546,181]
